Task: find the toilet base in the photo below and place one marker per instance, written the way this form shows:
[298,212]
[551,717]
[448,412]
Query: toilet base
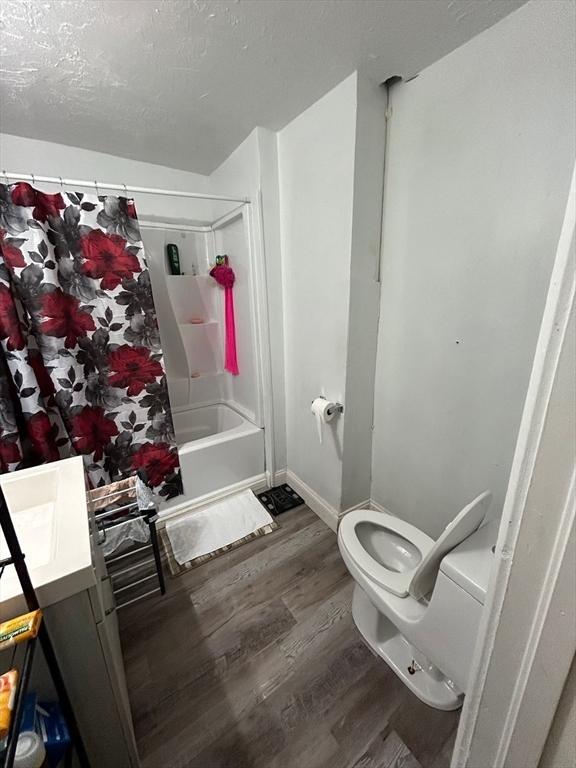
[426,681]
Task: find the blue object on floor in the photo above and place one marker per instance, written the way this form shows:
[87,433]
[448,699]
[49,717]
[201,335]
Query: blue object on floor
[50,724]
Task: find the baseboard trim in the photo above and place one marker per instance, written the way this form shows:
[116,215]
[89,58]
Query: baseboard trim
[378,507]
[256,483]
[361,505]
[280,476]
[325,511]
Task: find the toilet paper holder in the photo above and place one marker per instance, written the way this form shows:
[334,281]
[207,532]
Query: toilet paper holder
[335,409]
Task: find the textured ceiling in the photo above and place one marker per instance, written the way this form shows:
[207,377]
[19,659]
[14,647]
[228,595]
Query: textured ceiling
[182,82]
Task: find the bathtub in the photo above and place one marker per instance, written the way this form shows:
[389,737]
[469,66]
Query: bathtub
[217,447]
[207,421]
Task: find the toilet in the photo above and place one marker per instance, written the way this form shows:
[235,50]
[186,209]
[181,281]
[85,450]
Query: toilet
[417,602]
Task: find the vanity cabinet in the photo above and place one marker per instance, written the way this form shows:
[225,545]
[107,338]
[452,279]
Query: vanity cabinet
[84,631]
[73,588]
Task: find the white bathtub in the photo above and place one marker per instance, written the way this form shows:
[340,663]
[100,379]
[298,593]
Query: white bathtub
[217,448]
[207,421]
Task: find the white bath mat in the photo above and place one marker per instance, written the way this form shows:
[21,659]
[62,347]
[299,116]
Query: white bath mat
[204,533]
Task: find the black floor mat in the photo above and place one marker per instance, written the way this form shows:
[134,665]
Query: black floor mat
[279,499]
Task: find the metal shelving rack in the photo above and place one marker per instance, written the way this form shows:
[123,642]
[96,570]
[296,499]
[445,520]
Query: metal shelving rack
[17,560]
[120,507]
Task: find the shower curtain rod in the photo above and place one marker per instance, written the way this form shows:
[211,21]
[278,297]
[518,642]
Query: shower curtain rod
[121,187]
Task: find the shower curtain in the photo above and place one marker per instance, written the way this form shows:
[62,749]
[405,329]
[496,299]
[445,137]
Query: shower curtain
[81,369]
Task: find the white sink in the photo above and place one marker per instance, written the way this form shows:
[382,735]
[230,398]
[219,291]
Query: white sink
[48,508]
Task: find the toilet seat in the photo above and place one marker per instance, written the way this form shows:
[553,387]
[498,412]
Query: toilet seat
[413,558]
[394,581]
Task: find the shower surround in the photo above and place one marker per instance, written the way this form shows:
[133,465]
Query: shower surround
[217,416]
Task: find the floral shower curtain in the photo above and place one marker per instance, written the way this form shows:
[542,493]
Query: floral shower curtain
[81,368]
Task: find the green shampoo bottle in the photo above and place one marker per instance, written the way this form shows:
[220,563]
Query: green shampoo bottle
[173,258]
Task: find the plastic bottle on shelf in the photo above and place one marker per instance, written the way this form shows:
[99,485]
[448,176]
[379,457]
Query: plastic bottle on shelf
[173,258]
[30,751]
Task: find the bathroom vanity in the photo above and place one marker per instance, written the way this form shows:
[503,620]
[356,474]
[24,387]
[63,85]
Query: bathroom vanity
[48,509]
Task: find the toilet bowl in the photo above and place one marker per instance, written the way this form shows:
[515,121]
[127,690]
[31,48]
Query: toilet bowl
[417,601]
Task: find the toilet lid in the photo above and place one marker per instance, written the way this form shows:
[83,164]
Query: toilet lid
[463,525]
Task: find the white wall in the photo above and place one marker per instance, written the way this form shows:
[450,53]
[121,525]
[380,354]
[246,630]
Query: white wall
[330,160]
[364,293]
[481,147]
[44,158]
[270,197]
[316,162]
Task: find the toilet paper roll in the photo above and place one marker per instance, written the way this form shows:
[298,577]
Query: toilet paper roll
[323,411]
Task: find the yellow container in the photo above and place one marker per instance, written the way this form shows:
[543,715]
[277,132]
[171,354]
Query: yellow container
[19,629]
[8,684]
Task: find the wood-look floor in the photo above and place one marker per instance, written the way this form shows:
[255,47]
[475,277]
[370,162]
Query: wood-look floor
[252,661]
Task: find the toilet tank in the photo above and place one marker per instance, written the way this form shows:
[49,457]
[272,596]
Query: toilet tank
[451,622]
[469,565]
